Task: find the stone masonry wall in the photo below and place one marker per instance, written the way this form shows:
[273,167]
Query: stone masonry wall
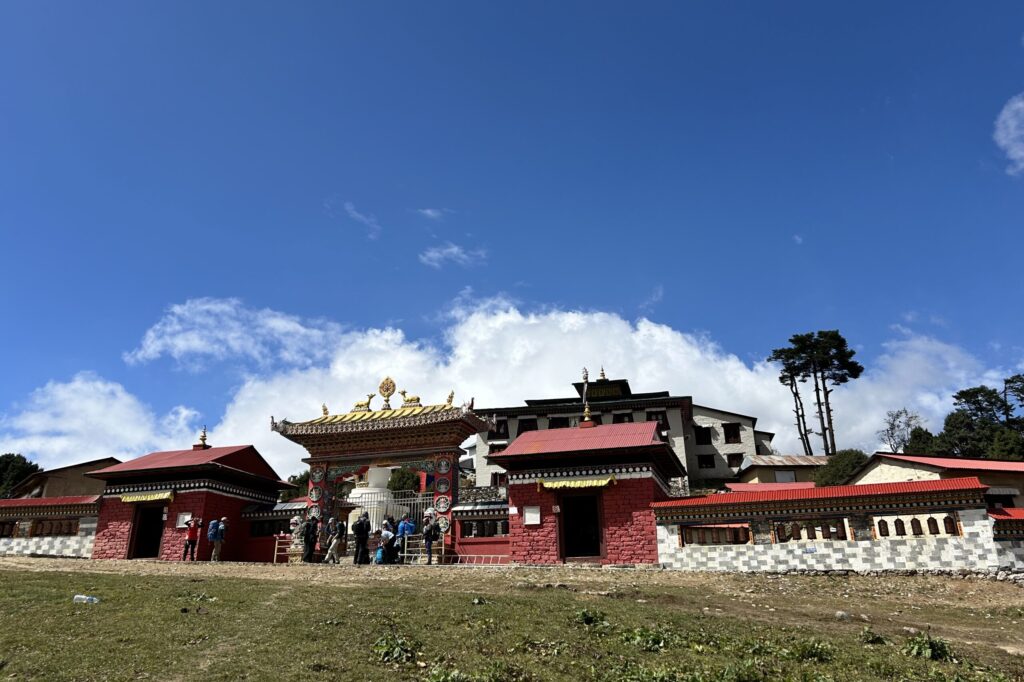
[76,546]
[533,544]
[975,550]
[628,522]
[1011,554]
[113,531]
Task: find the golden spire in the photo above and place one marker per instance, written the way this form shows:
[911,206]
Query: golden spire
[323,408]
[602,377]
[202,436]
[586,412]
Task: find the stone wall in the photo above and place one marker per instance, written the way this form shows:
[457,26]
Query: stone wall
[1011,554]
[975,550]
[532,544]
[114,529]
[77,546]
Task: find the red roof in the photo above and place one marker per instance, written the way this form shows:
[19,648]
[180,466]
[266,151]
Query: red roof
[830,492]
[1007,514]
[604,437]
[49,501]
[243,458]
[959,463]
[765,487]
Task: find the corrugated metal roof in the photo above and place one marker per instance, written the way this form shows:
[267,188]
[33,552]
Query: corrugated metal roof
[765,487]
[958,463]
[172,459]
[829,492]
[49,501]
[786,461]
[1011,514]
[605,437]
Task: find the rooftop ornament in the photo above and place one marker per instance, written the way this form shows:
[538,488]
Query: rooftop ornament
[386,390]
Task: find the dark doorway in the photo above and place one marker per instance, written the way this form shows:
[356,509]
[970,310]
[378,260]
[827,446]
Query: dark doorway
[148,530]
[581,526]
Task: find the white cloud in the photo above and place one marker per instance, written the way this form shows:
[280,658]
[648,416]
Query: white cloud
[373,228]
[1009,133]
[492,350]
[798,240]
[434,213]
[437,256]
[222,328]
[87,418]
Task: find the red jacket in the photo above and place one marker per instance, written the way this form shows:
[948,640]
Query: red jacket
[193,531]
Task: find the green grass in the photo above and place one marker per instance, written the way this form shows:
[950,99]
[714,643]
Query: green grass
[442,625]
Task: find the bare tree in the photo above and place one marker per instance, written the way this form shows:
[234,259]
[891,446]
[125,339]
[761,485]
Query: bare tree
[898,425]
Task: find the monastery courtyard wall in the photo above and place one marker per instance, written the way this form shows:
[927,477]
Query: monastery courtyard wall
[975,551]
[77,546]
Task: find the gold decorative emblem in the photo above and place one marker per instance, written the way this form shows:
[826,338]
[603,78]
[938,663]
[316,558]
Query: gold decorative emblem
[409,400]
[364,405]
[451,397]
[386,390]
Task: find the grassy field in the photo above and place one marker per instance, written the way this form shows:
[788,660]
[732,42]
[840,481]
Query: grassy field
[227,622]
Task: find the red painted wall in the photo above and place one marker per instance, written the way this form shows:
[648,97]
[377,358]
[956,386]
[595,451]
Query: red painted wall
[113,529]
[629,534]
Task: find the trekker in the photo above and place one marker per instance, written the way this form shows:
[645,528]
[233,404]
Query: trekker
[431,533]
[331,555]
[309,538]
[361,529]
[216,535]
[405,528]
[379,553]
[387,544]
[192,527]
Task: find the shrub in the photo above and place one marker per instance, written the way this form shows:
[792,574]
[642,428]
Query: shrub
[813,650]
[592,621]
[649,639]
[869,636]
[925,646]
[393,648]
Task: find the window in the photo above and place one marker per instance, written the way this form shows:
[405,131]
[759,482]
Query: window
[933,526]
[500,430]
[785,476]
[702,434]
[499,478]
[735,460]
[527,425]
[901,528]
[915,527]
[660,417]
[467,528]
[596,418]
[622,418]
[706,461]
[495,449]
[7,528]
[732,433]
[950,525]
[558,423]
[883,529]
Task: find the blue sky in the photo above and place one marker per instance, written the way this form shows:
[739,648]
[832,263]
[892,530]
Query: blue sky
[734,172]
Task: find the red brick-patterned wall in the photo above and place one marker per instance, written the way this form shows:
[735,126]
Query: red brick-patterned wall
[113,529]
[533,544]
[629,533]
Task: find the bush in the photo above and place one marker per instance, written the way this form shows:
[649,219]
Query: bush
[869,636]
[592,621]
[393,648]
[813,650]
[926,646]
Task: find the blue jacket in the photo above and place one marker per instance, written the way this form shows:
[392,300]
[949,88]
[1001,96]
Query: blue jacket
[406,528]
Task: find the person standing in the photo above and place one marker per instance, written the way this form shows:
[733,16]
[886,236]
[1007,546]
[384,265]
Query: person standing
[309,538]
[405,528]
[192,527]
[361,529]
[430,534]
[217,534]
[331,555]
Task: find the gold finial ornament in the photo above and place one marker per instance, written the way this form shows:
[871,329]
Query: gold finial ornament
[586,412]
[323,408]
[386,390]
[602,377]
[363,405]
[451,397]
[202,436]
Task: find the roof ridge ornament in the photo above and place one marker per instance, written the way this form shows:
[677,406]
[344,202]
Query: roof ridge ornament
[202,436]
[323,408]
[409,400]
[602,377]
[386,390]
[363,405]
[451,397]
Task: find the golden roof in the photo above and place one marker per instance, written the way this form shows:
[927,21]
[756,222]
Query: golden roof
[380,415]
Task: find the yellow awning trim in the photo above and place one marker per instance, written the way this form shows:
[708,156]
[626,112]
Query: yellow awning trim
[578,483]
[148,497]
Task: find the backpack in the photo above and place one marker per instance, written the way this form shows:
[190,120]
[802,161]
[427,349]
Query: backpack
[434,533]
[378,558]
[211,532]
